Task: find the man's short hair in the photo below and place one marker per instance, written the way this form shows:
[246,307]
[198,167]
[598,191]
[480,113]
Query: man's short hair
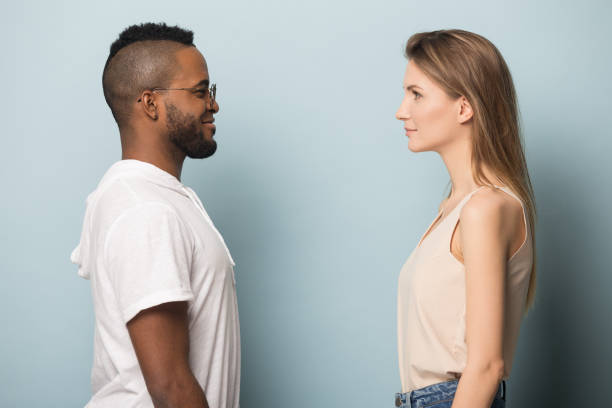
[141,58]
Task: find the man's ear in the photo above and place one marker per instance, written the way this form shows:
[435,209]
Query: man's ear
[465,110]
[149,104]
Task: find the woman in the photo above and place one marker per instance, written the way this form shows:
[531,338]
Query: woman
[466,286]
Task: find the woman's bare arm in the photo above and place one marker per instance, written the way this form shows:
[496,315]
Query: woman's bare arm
[487,228]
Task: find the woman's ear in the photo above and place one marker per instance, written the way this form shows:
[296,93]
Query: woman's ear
[465,110]
[149,104]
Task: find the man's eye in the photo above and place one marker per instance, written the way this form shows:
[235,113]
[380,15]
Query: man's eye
[201,92]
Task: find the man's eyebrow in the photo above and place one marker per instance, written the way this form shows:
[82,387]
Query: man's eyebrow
[203,82]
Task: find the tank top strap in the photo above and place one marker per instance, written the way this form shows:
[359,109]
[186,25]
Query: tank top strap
[517,198]
[510,192]
[457,210]
[464,200]
[448,221]
[444,231]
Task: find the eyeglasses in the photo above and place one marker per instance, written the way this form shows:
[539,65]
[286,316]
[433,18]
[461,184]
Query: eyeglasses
[210,91]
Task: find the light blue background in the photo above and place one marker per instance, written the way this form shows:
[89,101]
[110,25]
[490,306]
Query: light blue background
[312,186]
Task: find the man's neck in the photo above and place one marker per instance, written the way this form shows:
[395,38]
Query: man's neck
[144,144]
[166,162]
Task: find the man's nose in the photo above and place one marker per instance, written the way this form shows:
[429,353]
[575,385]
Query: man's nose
[214,108]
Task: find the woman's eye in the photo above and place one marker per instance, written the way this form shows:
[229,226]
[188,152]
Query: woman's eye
[416,95]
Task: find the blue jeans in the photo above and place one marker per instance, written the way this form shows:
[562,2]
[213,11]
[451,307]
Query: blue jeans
[441,395]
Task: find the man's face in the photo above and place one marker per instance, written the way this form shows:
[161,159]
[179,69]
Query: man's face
[189,114]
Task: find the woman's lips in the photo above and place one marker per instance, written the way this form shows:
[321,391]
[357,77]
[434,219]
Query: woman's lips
[409,130]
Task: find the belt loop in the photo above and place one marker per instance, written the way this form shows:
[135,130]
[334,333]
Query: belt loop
[403,399]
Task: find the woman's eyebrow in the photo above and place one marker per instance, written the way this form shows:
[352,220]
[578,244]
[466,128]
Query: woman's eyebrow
[410,87]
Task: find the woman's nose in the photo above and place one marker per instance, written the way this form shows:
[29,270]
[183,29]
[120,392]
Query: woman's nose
[402,112]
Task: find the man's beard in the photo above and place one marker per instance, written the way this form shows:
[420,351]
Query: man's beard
[186,132]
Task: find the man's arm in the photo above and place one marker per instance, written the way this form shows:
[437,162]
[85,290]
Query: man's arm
[160,336]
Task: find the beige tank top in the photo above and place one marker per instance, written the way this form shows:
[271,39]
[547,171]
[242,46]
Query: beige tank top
[431,305]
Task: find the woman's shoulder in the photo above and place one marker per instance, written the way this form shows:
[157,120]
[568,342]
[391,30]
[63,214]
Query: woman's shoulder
[491,205]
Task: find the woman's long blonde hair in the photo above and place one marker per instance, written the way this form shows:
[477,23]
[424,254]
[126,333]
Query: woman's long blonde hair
[469,65]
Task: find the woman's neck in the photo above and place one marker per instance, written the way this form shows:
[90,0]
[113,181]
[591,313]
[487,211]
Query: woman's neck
[458,161]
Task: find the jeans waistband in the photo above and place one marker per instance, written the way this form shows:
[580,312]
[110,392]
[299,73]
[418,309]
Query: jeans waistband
[436,392]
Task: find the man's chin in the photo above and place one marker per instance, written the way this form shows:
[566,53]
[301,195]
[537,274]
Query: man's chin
[203,153]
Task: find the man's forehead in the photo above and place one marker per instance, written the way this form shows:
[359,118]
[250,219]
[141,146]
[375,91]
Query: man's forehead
[192,66]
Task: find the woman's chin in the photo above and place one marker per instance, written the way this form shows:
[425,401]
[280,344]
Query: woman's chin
[416,147]
[413,147]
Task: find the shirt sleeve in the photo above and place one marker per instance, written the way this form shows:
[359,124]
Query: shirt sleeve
[148,252]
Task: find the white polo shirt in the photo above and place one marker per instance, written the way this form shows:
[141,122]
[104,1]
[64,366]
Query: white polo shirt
[147,240]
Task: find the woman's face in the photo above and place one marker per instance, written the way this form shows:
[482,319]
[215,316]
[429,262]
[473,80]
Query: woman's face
[432,119]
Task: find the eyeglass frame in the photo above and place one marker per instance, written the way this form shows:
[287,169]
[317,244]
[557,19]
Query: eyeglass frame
[212,92]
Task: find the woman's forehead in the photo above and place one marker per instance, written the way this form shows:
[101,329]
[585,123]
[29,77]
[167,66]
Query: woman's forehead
[414,75]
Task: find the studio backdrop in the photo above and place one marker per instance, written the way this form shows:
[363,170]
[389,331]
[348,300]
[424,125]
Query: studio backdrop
[312,186]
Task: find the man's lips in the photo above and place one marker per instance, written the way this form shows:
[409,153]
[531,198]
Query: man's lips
[209,123]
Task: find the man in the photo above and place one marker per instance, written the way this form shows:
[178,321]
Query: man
[166,317]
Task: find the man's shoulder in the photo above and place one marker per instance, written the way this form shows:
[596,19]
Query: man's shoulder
[127,195]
